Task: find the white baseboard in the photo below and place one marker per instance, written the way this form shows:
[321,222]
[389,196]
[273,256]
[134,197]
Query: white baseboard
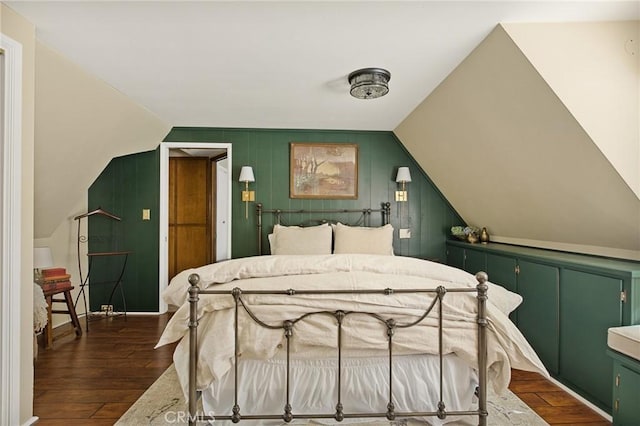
[582,399]
[33,420]
[118,314]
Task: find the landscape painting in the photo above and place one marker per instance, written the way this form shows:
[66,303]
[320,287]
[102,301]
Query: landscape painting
[324,170]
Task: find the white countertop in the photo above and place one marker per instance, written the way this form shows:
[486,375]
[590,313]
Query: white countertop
[625,340]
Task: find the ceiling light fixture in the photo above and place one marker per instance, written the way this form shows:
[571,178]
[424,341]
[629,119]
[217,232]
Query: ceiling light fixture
[369,83]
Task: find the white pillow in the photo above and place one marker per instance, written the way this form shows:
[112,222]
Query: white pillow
[299,240]
[358,239]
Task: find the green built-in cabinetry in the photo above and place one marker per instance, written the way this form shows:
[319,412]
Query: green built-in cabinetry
[626,390]
[569,302]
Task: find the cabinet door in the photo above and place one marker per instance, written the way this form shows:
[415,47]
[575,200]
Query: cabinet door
[626,411]
[502,271]
[474,261]
[538,316]
[455,256]
[590,305]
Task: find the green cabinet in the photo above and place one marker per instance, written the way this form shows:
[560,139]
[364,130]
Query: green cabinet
[569,302]
[591,303]
[502,270]
[474,261]
[538,315]
[626,390]
[455,256]
[471,261]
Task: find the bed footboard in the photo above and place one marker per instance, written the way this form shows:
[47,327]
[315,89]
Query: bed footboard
[391,326]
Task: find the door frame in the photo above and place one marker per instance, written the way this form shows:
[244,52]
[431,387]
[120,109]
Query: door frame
[11,302]
[163,264]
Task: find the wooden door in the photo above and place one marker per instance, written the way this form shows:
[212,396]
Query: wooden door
[190,213]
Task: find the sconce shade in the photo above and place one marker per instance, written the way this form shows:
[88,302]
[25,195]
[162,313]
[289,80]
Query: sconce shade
[42,257]
[246,174]
[403,175]
[369,83]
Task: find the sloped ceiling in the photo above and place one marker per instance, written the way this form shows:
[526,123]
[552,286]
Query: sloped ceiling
[282,64]
[509,155]
[81,124]
[113,77]
[594,68]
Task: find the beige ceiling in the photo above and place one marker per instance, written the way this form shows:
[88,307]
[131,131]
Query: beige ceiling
[281,64]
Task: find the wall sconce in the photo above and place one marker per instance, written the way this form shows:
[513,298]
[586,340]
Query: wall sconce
[403,177]
[246,176]
[42,259]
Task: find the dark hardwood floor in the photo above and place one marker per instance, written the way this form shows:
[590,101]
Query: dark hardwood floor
[94,379]
[553,404]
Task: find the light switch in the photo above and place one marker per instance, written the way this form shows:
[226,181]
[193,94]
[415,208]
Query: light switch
[405,233]
[146,214]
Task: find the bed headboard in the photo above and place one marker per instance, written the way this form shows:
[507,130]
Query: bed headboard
[352,217]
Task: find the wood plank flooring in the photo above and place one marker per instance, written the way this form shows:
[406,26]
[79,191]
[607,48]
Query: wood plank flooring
[94,379]
[553,404]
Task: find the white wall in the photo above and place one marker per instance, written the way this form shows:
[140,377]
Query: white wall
[63,244]
[594,68]
[82,123]
[508,154]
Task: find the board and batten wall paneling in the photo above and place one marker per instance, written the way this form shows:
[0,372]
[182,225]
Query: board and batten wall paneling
[125,187]
[427,214]
[131,183]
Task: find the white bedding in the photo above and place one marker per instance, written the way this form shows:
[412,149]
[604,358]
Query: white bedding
[365,387]
[507,348]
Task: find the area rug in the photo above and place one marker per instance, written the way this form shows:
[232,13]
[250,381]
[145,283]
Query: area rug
[164,404]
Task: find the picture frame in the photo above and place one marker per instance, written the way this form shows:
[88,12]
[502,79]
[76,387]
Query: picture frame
[323,170]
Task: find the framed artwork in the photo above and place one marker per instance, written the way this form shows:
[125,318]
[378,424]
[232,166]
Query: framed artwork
[324,170]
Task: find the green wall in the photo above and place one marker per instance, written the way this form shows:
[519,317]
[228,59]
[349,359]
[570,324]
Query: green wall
[131,183]
[126,186]
[427,213]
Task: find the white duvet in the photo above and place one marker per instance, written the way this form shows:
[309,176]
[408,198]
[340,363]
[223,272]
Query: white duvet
[316,336]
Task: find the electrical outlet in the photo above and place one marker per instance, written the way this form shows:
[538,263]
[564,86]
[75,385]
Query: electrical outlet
[405,233]
[106,308]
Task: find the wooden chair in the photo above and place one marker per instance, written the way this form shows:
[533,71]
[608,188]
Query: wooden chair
[71,310]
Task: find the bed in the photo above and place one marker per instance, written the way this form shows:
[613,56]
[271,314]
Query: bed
[342,333]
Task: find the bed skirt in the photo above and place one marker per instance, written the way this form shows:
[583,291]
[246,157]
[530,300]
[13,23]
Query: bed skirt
[365,387]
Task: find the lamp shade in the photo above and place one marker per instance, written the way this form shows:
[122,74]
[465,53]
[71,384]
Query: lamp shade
[246,174]
[403,175]
[42,257]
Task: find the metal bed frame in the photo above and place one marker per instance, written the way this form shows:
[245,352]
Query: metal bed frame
[364,218]
[288,326]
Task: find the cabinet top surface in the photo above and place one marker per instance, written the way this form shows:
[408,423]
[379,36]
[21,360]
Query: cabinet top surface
[628,266]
